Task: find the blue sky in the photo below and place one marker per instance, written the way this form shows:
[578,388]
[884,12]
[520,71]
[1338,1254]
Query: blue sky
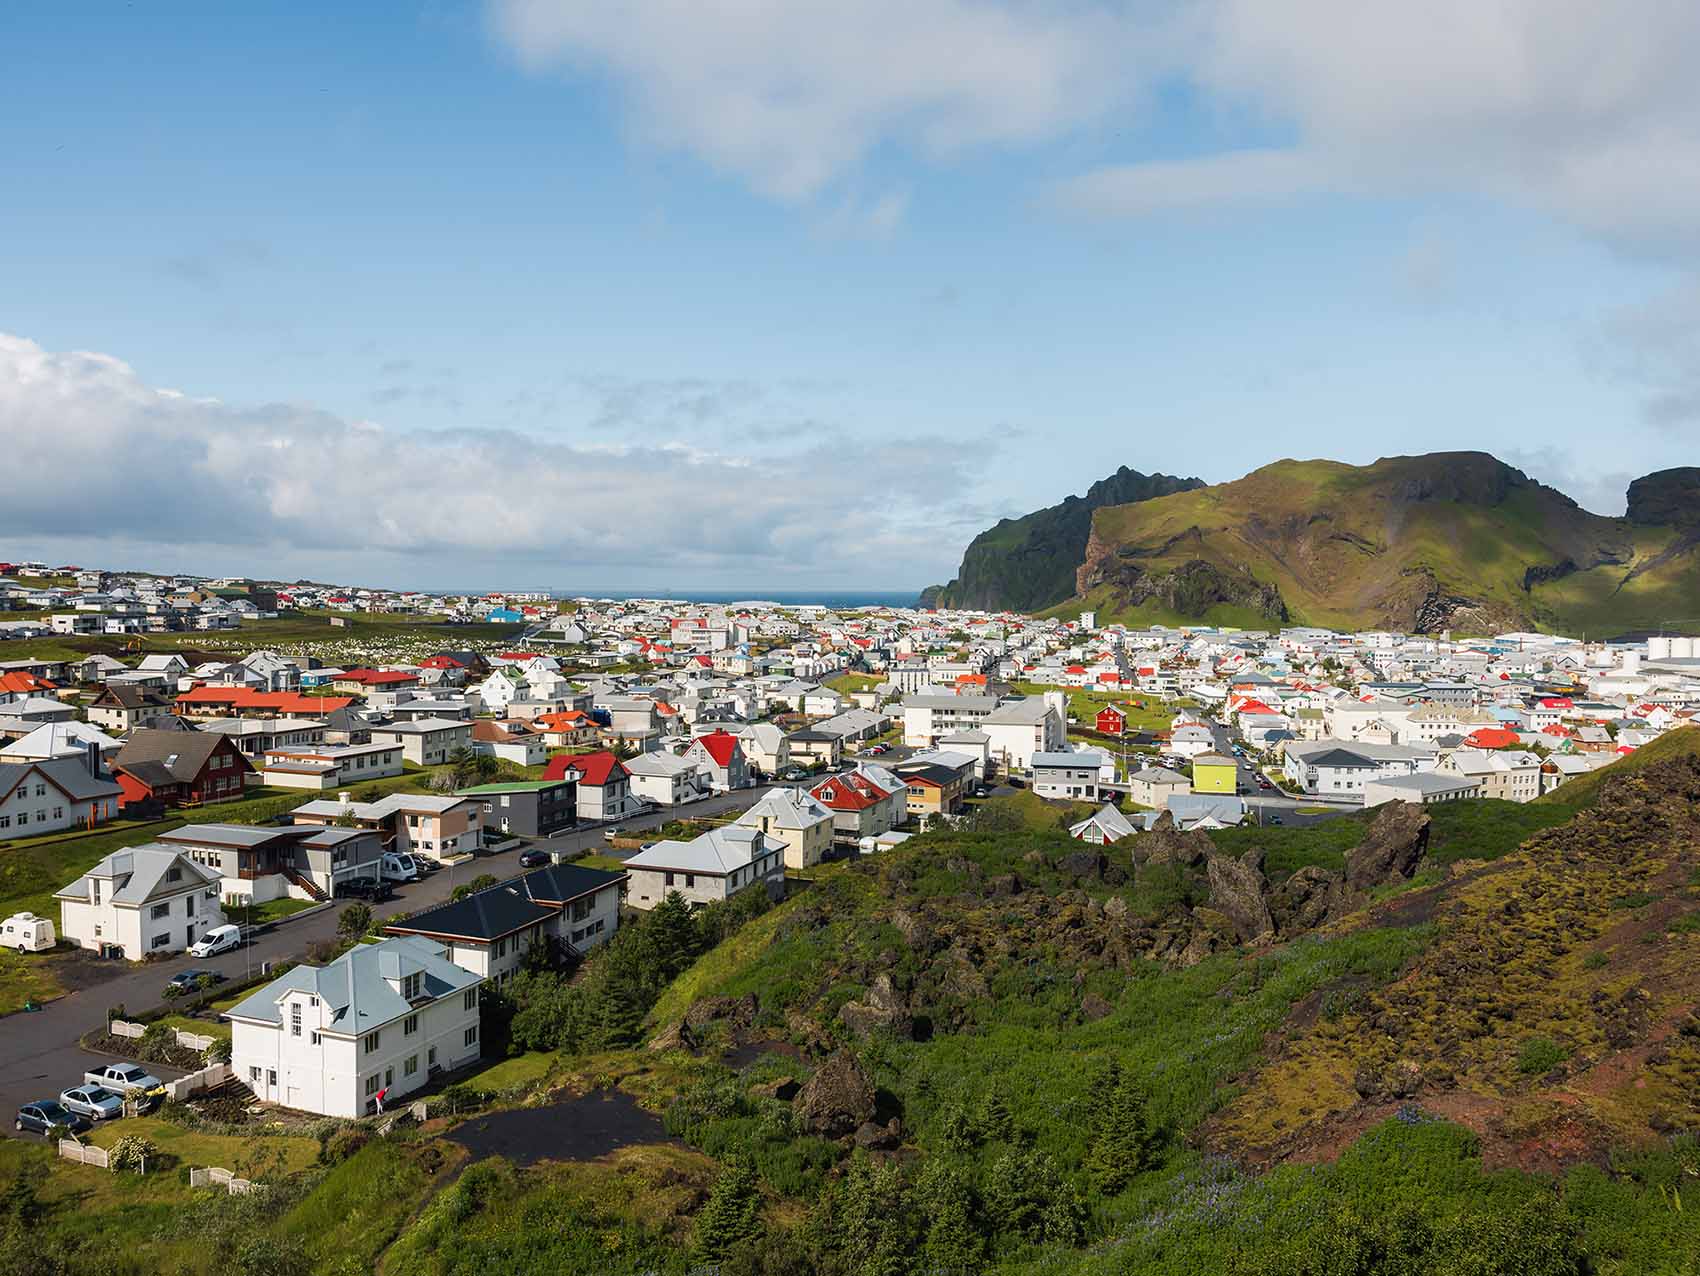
[744,293]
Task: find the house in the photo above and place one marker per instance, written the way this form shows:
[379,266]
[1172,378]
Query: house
[329,766]
[257,736]
[1153,786]
[1424,789]
[498,741]
[426,741]
[666,779]
[765,747]
[59,740]
[721,759]
[1214,773]
[49,794]
[172,768]
[1018,729]
[811,748]
[1066,775]
[528,808]
[1190,739]
[390,1016]
[210,701]
[930,790]
[864,802]
[604,784]
[148,899]
[565,728]
[169,665]
[257,863]
[121,707]
[490,932]
[797,820]
[1105,828]
[1506,774]
[1112,720]
[418,823]
[707,869]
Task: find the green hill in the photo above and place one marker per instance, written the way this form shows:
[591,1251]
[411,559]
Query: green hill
[1028,563]
[1417,543]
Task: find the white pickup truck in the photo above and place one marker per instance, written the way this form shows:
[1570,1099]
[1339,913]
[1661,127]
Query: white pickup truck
[122,1078]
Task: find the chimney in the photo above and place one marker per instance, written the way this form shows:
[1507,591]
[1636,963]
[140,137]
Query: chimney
[91,756]
[342,797]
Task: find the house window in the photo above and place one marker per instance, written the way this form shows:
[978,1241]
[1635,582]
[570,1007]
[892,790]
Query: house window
[23,817]
[669,879]
[254,1075]
[315,1038]
[161,940]
[295,1018]
[174,874]
[411,1066]
[472,1035]
[410,986]
[371,1085]
[160,910]
[372,1042]
[58,812]
[470,1001]
[410,1025]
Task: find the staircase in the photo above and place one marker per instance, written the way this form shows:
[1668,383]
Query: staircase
[296,878]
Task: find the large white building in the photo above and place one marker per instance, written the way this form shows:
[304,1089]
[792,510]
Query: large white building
[148,899]
[382,1017]
[712,867]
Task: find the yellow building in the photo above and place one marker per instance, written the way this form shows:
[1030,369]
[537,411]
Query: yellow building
[1213,773]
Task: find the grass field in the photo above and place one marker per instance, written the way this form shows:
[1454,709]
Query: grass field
[1144,713]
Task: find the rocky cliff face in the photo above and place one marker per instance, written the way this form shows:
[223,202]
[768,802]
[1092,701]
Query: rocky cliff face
[1028,563]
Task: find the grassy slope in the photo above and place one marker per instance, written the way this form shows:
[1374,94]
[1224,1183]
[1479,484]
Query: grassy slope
[1584,790]
[1351,570]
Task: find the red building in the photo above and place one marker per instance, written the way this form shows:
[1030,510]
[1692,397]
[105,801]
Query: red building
[178,768]
[1111,720]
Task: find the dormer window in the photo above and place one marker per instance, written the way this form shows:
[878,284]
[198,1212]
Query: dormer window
[411,986]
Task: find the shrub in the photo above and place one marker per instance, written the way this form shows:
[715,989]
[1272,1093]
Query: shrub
[132,1152]
[1540,1054]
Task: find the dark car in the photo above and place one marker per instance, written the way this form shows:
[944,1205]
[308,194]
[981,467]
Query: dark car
[189,980]
[533,859]
[373,890]
[43,1116]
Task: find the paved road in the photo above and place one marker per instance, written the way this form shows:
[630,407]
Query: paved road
[39,1055]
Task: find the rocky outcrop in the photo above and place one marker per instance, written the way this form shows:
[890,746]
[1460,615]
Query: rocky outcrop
[1190,589]
[1311,897]
[737,1012]
[1164,844]
[881,1009]
[1668,498]
[1237,890]
[1391,849]
[837,1099]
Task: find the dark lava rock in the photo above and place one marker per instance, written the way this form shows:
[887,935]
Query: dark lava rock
[1391,848]
[1237,890]
[837,1099]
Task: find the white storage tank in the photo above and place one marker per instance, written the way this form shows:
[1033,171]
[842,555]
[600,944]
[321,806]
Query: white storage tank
[1658,648]
[1682,648]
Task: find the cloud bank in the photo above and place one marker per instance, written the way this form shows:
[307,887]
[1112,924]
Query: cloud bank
[138,465]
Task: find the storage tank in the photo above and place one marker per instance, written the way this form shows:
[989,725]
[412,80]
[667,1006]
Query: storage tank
[1681,648]
[1658,648]
[1632,662]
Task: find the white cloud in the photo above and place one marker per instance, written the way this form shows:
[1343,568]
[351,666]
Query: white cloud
[133,464]
[1587,111]
[792,94]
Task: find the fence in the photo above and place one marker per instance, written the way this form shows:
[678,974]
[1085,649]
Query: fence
[208,1078]
[218,1176]
[86,1153]
[188,1040]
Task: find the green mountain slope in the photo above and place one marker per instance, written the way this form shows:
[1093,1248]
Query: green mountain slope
[1028,563]
[1419,543]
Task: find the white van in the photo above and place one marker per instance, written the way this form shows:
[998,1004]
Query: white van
[398,866]
[27,933]
[220,939]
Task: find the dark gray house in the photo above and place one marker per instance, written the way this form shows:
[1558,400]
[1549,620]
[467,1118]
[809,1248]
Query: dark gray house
[528,808]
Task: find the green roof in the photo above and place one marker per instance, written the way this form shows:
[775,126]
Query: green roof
[508,786]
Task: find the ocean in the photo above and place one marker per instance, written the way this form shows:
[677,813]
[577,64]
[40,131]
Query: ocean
[785,598]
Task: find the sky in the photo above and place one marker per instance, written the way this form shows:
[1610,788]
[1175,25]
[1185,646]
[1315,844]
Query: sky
[789,294]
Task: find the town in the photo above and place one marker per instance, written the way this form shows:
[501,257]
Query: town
[602,757]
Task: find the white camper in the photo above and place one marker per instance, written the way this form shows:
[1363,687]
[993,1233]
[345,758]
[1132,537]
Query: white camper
[27,933]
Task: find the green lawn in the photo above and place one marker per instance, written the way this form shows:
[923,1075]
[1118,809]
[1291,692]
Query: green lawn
[1144,712]
[26,977]
[271,911]
[201,1027]
[512,1074]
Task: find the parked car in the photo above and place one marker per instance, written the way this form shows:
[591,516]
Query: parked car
[612,832]
[649,846]
[95,1102]
[533,859]
[371,889]
[220,939]
[794,773]
[1275,819]
[189,980]
[44,1115]
[122,1078]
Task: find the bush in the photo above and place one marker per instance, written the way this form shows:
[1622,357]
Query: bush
[338,1143]
[132,1152]
[1540,1054]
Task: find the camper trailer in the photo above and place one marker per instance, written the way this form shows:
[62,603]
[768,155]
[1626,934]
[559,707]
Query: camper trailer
[27,933]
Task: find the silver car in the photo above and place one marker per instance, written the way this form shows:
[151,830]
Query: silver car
[92,1101]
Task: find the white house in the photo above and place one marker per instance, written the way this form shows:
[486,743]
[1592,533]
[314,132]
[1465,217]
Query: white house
[1017,729]
[667,780]
[426,741]
[383,1017]
[714,866]
[149,899]
[803,824]
[55,793]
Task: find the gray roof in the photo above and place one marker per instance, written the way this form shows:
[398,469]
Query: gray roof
[355,987]
[181,753]
[70,775]
[138,874]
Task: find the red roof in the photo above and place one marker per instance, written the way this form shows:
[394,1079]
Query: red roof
[440,662]
[565,720]
[1491,738]
[1557,702]
[378,677]
[852,791]
[597,769]
[276,701]
[21,682]
[720,745]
